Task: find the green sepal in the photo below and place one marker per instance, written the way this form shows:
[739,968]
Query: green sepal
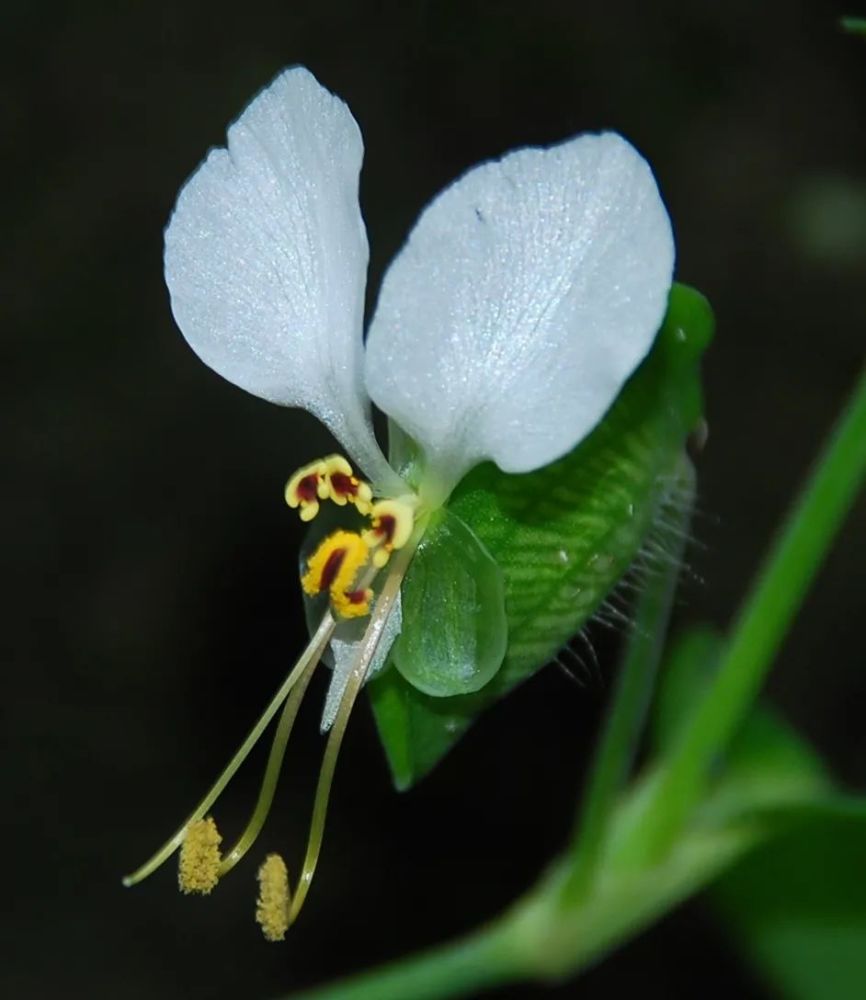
[563,535]
[454,606]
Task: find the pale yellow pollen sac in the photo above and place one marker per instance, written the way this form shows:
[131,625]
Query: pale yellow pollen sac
[344,486]
[391,527]
[198,868]
[307,487]
[272,905]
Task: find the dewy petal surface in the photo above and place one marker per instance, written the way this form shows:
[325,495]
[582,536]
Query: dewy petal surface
[526,295]
[266,259]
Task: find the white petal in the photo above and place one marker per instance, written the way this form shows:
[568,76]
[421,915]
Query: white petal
[527,293]
[266,258]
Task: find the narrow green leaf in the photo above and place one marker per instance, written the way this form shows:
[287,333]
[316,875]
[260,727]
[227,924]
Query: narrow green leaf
[760,628]
[797,907]
[767,770]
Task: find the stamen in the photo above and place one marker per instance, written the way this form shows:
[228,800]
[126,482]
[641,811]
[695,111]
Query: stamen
[392,522]
[370,642]
[307,662]
[345,486]
[355,604]
[307,487]
[272,906]
[198,870]
[335,566]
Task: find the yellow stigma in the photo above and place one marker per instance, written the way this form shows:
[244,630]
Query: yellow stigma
[335,567]
[392,522]
[272,906]
[307,487]
[198,870]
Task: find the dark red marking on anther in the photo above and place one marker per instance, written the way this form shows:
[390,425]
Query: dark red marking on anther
[331,568]
[358,596]
[343,485]
[308,488]
[386,526]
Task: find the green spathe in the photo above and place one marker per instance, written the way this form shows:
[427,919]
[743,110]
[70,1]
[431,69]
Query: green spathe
[562,537]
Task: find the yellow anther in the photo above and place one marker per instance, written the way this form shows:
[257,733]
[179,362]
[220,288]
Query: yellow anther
[198,870]
[307,487]
[272,906]
[344,486]
[335,567]
[392,522]
[335,563]
[352,604]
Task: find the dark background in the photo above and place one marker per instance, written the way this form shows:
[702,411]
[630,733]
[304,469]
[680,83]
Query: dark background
[151,596]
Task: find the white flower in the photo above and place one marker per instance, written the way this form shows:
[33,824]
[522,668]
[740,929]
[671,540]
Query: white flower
[527,293]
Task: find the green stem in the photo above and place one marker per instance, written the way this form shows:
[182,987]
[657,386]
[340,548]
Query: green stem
[538,940]
[634,687]
[459,968]
[762,623]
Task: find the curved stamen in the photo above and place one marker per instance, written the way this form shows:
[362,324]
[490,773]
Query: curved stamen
[311,656]
[368,646]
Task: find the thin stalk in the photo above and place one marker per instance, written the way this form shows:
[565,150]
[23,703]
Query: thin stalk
[312,654]
[631,700]
[763,622]
[323,792]
[272,773]
[383,608]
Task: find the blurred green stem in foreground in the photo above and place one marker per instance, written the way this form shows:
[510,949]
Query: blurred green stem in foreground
[640,852]
[763,622]
[854,25]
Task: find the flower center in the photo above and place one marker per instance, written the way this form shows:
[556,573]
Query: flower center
[347,562]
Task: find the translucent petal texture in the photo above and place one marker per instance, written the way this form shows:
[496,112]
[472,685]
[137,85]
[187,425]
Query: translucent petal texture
[455,631]
[527,293]
[266,259]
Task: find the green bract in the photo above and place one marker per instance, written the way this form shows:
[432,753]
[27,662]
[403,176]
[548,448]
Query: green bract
[460,646]
[562,537]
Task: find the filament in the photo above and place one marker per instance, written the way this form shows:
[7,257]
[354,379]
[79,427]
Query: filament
[302,669]
[369,644]
[272,773]
[278,751]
